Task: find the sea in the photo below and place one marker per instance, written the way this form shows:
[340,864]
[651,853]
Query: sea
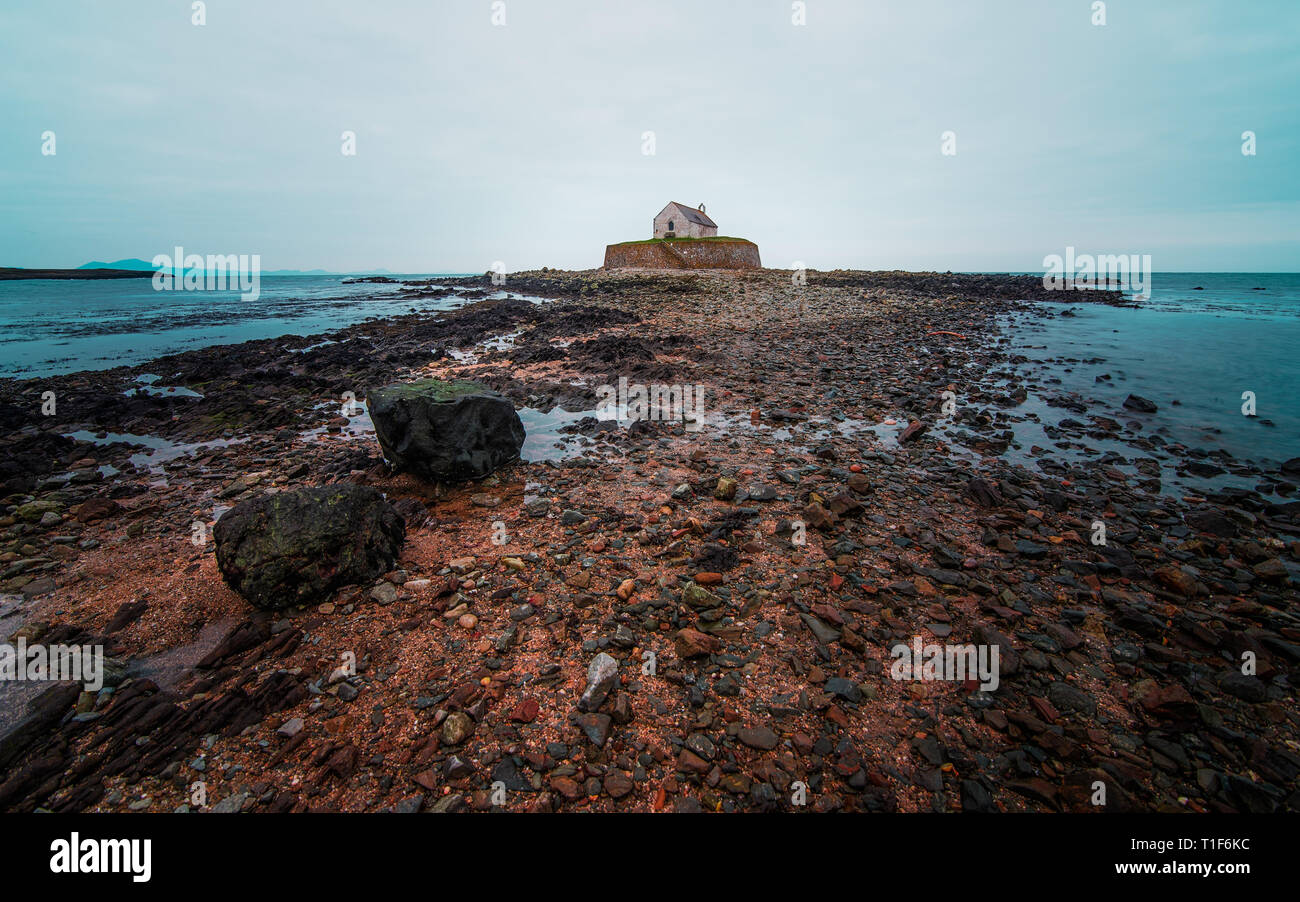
[1201,347]
[1207,348]
[54,326]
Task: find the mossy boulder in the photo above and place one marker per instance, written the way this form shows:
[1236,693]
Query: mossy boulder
[445,431]
[298,547]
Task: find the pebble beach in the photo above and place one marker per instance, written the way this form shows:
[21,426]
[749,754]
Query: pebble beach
[642,616]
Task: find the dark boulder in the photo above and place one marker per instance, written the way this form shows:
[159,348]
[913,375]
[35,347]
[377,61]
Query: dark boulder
[1140,404]
[298,547]
[1211,521]
[445,431]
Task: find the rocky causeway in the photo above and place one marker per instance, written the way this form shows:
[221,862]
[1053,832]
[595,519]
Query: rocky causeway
[641,616]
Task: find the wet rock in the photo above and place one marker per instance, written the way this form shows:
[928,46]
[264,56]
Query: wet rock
[914,431]
[297,547]
[445,431]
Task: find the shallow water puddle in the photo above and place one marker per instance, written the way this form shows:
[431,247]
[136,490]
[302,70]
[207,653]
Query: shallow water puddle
[161,450]
[543,439]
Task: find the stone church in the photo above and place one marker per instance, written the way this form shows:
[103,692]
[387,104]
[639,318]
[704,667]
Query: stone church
[680,221]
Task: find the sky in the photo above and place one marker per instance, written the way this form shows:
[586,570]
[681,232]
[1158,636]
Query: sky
[515,131]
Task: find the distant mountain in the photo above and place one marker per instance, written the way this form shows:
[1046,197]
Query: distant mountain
[129,263]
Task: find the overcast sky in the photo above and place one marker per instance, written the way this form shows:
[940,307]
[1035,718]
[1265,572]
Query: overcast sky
[523,142]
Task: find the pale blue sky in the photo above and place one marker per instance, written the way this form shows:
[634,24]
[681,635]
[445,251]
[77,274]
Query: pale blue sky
[523,144]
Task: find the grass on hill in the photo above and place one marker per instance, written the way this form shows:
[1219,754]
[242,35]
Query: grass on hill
[673,240]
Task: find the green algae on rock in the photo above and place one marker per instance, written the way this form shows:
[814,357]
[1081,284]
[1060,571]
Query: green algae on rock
[445,431]
[297,547]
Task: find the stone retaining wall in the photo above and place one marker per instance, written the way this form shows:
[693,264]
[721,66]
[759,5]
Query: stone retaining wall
[684,254]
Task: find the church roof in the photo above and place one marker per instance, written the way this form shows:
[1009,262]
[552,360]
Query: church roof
[693,215]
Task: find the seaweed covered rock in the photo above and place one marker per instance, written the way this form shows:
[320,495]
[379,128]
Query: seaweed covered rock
[298,547]
[445,431]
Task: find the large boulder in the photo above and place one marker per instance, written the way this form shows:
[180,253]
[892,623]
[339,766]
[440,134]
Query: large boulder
[298,547]
[445,431]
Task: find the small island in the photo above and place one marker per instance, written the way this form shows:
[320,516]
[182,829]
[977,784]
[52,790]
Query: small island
[684,238]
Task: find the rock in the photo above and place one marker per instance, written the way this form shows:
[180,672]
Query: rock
[596,727]
[602,673]
[297,547]
[42,585]
[844,504]
[1213,522]
[725,489]
[445,431]
[697,596]
[1247,688]
[824,634]
[1008,657]
[1140,404]
[1071,698]
[457,728]
[1030,550]
[818,517]
[33,511]
[1171,701]
[694,644]
[758,738]
[231,804]
[618,784]
[1175,579]
[384,593]
[525,711]
[1271,570]
[983,493]
[914,431]
[844,688]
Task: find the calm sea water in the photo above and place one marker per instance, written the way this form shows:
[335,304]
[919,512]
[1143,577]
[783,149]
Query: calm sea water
[1202,348]
[51,326]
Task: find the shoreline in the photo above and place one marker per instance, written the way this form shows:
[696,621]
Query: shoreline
[1120,652]
[14,273]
